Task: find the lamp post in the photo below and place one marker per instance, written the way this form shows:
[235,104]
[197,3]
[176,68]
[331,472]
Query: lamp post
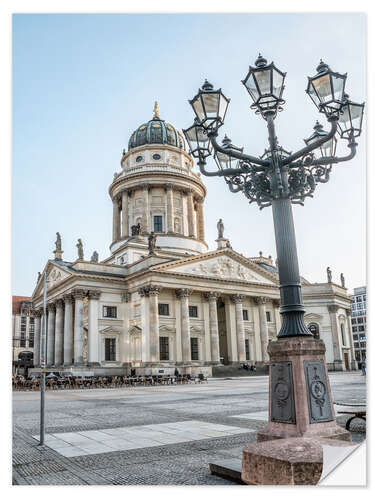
[279,179]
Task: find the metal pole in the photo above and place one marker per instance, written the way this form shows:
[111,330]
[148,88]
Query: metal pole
[43,361]
[291,305]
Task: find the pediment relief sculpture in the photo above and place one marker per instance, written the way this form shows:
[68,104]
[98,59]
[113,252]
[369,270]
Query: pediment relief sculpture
[54,276]
[222,267]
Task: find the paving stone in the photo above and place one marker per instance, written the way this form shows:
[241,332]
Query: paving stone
[115,416]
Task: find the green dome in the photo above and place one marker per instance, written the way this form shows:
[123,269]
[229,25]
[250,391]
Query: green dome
[156,131]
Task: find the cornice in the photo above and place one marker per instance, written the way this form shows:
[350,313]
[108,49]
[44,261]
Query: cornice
[152,173]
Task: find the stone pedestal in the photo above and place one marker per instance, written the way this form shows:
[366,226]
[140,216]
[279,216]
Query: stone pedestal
[300,399]
[222,243]
[293,461]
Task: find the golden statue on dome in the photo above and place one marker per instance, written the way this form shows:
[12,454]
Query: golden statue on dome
[156,110]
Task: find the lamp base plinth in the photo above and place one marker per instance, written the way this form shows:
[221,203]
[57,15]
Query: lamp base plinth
[300,399]
[292,461]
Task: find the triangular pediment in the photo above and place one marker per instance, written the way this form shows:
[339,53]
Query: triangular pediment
[109,330]
[55,274]
[221,264]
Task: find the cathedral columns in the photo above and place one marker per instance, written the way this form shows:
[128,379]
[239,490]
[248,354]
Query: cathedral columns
[200,219]
[125,215]
[337,359]
[59,333]
[93,332]
[170,209]
[190,206]
[68,330]
[116,219]
[261,301]
[78,326]
[183,295]
[153,292]
[51,335]
[241,351]
[354,365]
[146,209]
[214,326]
[37,331]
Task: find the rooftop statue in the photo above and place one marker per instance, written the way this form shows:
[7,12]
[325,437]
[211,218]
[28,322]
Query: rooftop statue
[94,257]
[342,280]
[79,246]
[329,275]
[58,241]
[220,229]
[151,243]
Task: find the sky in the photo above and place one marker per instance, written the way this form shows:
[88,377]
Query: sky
[83,83]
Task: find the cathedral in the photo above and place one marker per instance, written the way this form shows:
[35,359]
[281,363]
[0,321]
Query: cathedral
[162,299]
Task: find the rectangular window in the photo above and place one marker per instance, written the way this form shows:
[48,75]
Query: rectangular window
[193,311]
[247,349]
[23,332]
[355,328]
[268,316]
[194,349]
[354,321]
[31,332]
[355,337]
[164,348]
[361,328]
[360,320]
[158,223]
[358,299]
[110,349]
[363,344]
[245,314]
[109,312]
[356,345]
[163,309]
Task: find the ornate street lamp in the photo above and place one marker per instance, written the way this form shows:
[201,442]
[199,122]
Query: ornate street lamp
[198,140]
[326,89]
[209,105]
[350,119]
[265,84]
[327,149]
[279,178]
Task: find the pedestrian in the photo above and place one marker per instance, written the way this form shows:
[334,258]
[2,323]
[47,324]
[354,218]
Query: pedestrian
[363,367]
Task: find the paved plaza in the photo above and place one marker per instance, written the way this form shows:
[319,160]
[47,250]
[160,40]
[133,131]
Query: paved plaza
[164,435]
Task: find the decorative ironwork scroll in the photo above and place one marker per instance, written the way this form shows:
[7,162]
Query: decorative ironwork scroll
[282,399]
[317,392]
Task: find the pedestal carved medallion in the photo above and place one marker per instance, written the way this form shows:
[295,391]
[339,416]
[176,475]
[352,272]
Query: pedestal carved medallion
[317,392]
[282,407]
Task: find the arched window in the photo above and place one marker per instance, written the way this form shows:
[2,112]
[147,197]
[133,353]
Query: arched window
[314,329]
[342,334]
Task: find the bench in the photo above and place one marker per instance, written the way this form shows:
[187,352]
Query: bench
[360,413]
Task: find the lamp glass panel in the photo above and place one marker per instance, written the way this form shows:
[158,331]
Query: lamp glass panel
[338,87]
[224,159]
[223,106]
[312,94]
[211,104]
[345,116]
[322,86]
[264,81]
[277,83]
[198,108]
[356,111]
[252,88]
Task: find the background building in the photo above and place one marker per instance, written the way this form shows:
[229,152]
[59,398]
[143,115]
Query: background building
[22,332]
[358,315]
[161,299]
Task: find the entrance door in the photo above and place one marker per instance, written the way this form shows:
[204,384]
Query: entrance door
[346,360]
